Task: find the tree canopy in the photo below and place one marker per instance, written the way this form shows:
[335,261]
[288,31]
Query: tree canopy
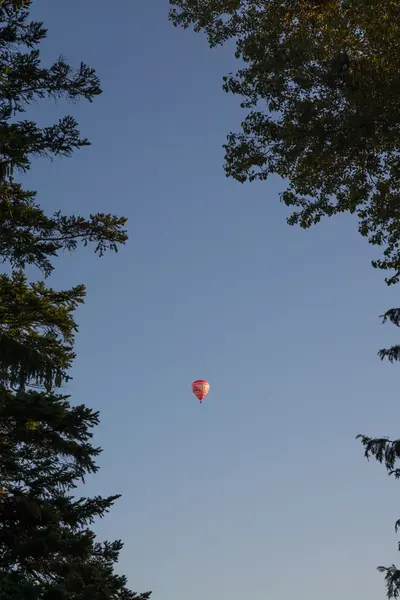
[320,83]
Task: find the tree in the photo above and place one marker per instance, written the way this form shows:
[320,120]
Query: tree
[47,549]
[320,84]
[27,235]
[32,318]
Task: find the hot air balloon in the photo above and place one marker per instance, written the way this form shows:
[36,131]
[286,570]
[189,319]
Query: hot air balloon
[200,389]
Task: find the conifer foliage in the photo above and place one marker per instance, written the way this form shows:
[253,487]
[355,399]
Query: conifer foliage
[48,550]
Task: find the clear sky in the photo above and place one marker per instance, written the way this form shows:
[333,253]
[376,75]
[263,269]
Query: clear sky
[262,490]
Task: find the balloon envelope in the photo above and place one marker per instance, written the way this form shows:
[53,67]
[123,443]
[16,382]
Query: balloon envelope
[200,388]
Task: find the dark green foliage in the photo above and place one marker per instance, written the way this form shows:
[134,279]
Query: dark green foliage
[47,549]
[384,451]
[36,331]
[27,235]
[24,78]
[320,83]
[393,353]
[387,453]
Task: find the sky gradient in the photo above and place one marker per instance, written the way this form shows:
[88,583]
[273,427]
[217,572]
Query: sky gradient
[261,491]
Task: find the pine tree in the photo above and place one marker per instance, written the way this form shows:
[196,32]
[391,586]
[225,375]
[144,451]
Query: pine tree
[47,551]
[47,548]
[27,235]
[33,317]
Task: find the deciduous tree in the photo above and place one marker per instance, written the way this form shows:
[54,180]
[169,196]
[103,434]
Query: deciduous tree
[320,83]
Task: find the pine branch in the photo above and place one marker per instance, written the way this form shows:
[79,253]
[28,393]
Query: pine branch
[392,354]
[384,450]
[29,237]
[392,315]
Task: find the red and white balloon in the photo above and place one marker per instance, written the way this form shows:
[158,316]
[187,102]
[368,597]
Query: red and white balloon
[200,389]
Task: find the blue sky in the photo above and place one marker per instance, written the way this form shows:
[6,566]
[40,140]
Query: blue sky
[262,491]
